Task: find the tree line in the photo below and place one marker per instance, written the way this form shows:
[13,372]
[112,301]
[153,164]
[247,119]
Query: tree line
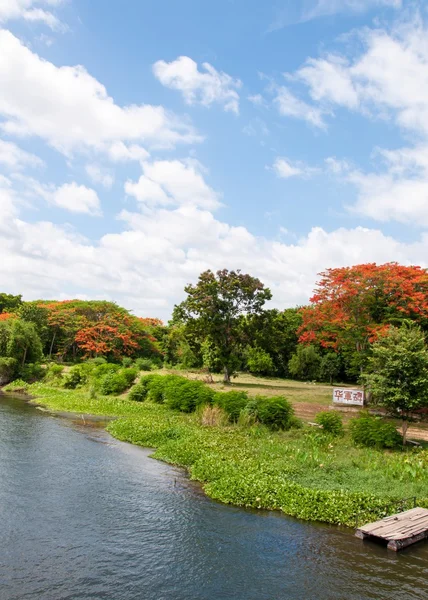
[223,325]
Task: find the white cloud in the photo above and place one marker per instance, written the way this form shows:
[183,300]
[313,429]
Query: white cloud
[72,197]
[323,8]
[71,110]
[77,198]
[30,10]
[99,175]
[120,152]
[330,79]
[291,106]
[286,169]
[173,182]
[13,157]
[199,87]
[146,266]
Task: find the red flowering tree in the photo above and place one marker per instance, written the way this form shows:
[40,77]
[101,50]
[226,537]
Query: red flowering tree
[354,306]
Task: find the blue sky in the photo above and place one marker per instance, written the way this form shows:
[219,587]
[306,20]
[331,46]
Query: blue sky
[142,142]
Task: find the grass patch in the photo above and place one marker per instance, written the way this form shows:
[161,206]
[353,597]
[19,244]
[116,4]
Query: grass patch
[304,473]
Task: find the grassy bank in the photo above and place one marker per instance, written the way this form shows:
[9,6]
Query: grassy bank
[304,473]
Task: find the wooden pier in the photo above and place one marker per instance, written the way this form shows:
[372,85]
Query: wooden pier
[400,530]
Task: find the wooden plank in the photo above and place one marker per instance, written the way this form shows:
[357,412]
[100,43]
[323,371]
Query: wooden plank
[400,530]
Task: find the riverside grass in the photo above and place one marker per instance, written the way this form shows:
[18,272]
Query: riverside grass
[303,473]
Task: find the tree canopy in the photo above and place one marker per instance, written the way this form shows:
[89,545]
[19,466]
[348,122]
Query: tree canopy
[216,312]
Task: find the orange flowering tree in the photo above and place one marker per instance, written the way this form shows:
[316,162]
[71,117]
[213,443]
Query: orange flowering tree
[354,306]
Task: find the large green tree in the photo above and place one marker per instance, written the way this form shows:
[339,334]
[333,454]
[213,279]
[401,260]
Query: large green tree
[9,303]
[217,310]
[397,372]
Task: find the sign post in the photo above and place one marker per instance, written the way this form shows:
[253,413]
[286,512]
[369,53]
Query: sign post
[351,397]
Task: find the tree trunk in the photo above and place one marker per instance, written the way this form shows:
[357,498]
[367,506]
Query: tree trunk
[226,378]
[24,357]
[404,428]
[52,343]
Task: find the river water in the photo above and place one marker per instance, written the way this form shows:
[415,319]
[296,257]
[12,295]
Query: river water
[85,516]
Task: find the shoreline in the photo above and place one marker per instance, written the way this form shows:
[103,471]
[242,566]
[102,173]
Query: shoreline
[251,467]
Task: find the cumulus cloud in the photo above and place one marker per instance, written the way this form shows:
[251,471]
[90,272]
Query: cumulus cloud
[30,10]
[146,266]
[13,157]
[203,87]
[175,183]
[99,175]
[285,168]
[71,110]
[291,106]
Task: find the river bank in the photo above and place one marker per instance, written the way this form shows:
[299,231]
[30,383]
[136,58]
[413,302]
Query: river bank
[302,473]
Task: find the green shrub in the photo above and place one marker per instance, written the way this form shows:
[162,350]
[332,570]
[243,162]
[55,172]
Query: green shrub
[54,372]
[8,369]
[156,384]
[32,372]
[371,431]
[104,368]
[275,412]
[113,383]
[182,394]
[19,385]
[130,374]
[331,422]
[232,403]
[259,362]
[144,364]
[99,360]
[76,376]
[138,393]
[127,362]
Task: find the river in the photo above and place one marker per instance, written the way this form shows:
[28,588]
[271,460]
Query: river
[85,516]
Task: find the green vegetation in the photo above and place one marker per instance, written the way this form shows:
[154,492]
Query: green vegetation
[306,473]
[331,422]
[371,431]
[245,438]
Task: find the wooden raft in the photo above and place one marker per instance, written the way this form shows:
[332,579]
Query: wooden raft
[400,530]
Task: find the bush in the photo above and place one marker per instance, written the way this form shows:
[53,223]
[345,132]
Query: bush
[127,362]
[331,422]
[259,362]
[130,374]
[275,412]
[32,372]
[116,382]
[113,383]
[76,376]
[99,360]
[144,364]
[8,369]
[374,432]
[19,385]
[140,391]
[156,386]
[104,368]
[232,403]
[54,372]
[182,394]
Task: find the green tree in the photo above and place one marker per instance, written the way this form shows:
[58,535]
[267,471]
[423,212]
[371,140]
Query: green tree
[217,309]
[305,363]
[275,332]
[397,372]
[330,367]
[259,362]
[9,303]
[34,312]
[23,342]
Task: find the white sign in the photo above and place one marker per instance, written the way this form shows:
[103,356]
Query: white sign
[348,396]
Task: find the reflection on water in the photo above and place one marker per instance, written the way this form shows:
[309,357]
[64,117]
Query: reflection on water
[84,516]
